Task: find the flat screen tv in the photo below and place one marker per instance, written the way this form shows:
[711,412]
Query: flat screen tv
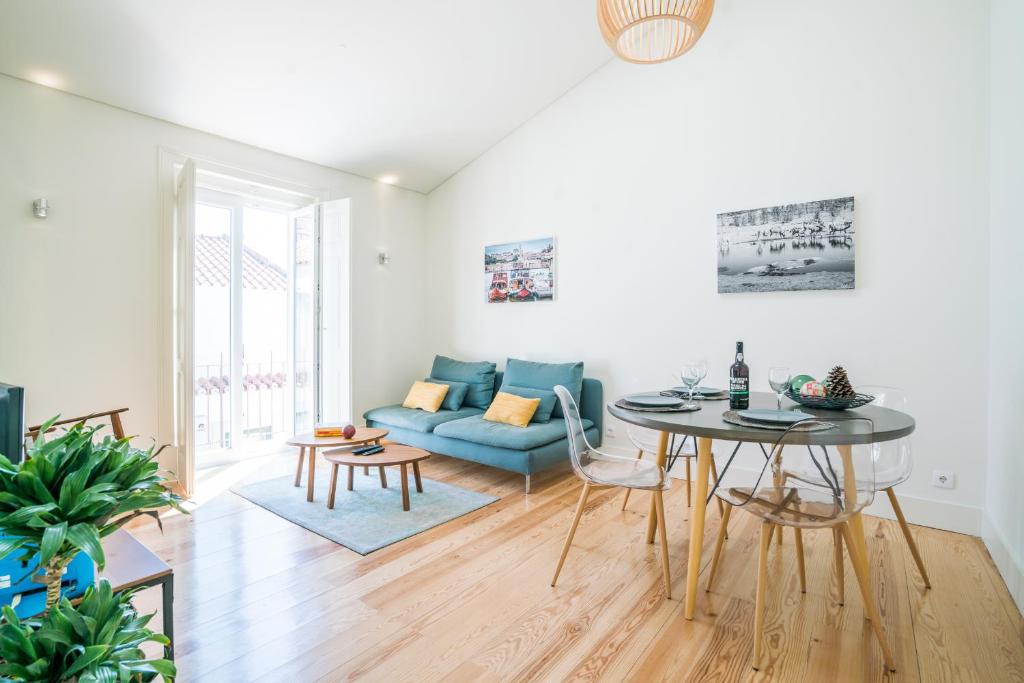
[12,421]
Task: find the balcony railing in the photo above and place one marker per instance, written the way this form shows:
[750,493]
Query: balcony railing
[265,398]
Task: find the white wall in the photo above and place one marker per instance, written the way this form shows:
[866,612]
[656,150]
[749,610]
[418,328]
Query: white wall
[1004,502]
[780,102]
[81,293]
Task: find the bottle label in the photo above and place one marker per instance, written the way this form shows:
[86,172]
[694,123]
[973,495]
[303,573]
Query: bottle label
[738,386]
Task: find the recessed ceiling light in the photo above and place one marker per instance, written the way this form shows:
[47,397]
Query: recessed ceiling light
[388,179]
[47,78]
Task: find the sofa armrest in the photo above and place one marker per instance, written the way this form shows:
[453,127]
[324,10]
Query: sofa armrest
[592,404]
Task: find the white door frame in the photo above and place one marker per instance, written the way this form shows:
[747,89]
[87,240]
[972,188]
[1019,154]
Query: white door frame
[172,384]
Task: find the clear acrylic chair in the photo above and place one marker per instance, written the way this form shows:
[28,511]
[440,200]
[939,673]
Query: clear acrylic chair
[893,465]
[601,470]
[646,441]
[846,485]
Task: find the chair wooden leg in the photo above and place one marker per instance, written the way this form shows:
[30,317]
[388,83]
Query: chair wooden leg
[572,530]
[799,538]
[906,534]
[639,454]
[298,469]
[837,541]
[383,477]
[660,505]
[762,584]
[863,581]
[722,535]
[714,479]
[688,487]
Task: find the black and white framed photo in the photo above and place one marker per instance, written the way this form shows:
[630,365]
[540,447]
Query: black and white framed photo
[787,248]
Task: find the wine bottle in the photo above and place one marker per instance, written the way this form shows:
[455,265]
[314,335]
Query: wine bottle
[739,381]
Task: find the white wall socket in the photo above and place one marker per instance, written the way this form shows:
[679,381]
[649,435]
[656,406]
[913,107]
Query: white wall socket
[944,479]
[610,431]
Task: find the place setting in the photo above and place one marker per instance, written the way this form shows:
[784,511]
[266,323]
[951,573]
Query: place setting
[679,399]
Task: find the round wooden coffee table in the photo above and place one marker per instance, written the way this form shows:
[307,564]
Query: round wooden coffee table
[393,454]
[308,442]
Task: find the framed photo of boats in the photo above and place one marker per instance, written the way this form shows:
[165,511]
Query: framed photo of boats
[787,248]
[519,272]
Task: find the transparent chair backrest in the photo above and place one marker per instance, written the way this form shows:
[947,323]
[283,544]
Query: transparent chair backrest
[647,440]
[740,486]
[893,459]
[579,449]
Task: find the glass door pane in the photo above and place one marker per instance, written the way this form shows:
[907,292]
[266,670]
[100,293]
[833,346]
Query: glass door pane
[212,328]
[303,327]
[265,420]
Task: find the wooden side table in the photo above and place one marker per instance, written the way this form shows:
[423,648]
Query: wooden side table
[309,443]
[132,565]
[392,454]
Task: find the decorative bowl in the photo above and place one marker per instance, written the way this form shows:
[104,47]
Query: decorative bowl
[830,402]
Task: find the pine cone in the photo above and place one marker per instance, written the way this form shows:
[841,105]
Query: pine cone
[838,384]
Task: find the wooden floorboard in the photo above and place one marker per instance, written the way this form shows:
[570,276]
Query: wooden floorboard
[260,599]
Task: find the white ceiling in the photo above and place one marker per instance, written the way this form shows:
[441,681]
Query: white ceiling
[413,89]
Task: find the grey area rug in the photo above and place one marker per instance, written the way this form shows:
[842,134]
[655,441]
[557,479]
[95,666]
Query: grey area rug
[369,517]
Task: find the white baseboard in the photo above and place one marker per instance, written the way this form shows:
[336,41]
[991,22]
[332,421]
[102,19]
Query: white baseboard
[963,519]
[1010,568]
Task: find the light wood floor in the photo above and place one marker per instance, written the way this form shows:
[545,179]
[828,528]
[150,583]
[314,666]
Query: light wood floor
[259,598]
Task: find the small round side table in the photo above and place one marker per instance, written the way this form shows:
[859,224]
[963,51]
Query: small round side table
[309,443]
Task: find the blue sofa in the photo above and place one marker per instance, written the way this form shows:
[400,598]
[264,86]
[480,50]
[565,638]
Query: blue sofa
[466,435]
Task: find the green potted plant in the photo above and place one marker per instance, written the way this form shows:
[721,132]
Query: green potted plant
[97,641]
[70,492]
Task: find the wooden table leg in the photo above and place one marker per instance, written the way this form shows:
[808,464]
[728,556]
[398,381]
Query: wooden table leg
[416,474]
[697,524]
[850,493]
[383,478]
[312,476]
[298,469]
[778,481]
[660,458]
[333,486]
[351,471]
[405,487]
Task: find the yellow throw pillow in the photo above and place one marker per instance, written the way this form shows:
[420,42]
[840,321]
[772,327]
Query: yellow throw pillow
[426,396]
[511,409]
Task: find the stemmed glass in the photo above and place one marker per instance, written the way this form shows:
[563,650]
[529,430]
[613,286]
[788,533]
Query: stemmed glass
[692,374]
[779,378]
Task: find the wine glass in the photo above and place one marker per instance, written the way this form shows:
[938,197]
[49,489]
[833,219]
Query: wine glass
[779,377]
[692,374]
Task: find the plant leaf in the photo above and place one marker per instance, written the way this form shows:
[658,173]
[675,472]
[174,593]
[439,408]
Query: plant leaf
[53,539]
[87,538]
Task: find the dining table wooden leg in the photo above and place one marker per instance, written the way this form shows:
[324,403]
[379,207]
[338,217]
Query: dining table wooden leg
[312,474]
[858,554]
[697,524]
[660,458]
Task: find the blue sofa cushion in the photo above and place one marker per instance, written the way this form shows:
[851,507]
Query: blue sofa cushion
[524,373]
[548,399]
[479,376]
[415,419]
[478,430]
[456,395]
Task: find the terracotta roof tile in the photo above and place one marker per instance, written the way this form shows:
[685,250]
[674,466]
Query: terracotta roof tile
[213,265]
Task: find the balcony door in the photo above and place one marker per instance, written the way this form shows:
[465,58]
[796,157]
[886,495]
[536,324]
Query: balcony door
[267,331]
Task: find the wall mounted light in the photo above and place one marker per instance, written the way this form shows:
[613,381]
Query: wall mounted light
[40,207]
[383,258]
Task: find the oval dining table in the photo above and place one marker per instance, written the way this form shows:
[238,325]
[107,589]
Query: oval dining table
[707,424]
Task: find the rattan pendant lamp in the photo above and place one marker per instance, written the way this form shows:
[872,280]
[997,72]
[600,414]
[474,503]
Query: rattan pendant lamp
[652,31]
